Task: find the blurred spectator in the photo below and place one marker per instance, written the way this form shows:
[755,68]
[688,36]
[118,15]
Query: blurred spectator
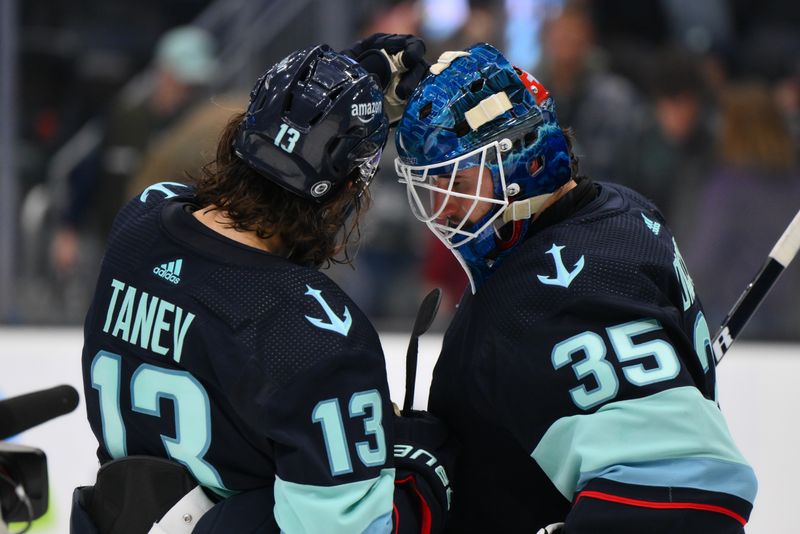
[597,55]
[523,30]
[184,62]
[676,149]
[768,37]
[629,31]
[394,16]
[101,181]
[699,26]
[188,144]
[732,237]
[786,92]
[604,109]
[484,22]
[769,50]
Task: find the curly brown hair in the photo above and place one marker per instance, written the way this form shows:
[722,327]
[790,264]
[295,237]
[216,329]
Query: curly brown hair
[316,234]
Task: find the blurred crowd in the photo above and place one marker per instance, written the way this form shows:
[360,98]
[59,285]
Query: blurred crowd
[695,104]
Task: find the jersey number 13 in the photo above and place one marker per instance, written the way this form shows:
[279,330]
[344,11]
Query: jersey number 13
[149,384]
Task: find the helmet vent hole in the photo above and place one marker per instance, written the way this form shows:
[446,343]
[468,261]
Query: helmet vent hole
[307,73]
[531,137]
[461,129]
[335,92]
[425,110]
[477,85]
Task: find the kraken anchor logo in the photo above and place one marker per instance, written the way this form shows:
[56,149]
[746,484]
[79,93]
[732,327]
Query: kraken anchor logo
[340,326]
[563,277]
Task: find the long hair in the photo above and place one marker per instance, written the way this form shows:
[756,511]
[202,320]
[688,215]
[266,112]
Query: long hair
[315,234]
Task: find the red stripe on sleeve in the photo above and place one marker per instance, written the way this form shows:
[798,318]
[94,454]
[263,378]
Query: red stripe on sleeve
[661,505]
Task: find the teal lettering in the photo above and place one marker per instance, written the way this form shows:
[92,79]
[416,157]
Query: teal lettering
[118,286]
[160,326]
[143,323]
[687,286]
[144,320]
[179,332]
[125,315]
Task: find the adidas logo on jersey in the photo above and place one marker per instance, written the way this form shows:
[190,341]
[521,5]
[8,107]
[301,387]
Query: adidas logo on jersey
[654,226]
[169,271]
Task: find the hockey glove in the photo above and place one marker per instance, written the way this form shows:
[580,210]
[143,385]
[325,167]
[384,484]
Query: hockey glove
[424,455]
[399,63]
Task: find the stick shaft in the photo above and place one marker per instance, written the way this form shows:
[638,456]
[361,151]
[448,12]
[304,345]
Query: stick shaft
[425,316]
[411,373]
[779,258]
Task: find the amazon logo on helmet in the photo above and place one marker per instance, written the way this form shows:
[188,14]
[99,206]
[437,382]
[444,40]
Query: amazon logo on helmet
[365,110]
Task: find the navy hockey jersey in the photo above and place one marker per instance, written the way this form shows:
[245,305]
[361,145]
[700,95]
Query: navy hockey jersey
[585,358]
[248,369]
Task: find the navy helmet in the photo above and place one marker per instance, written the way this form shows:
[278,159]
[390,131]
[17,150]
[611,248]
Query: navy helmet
[315,120]
[483,134]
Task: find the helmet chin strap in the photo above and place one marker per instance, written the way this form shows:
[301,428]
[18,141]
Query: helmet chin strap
[524,209]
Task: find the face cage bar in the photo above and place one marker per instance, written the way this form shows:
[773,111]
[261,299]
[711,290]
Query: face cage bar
[367,168]
[443,232]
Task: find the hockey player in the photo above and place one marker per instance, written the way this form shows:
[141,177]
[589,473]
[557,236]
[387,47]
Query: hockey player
[577,372]
[213,340]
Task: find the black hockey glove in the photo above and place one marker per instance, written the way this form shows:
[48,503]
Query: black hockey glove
[424,455]
[399,63]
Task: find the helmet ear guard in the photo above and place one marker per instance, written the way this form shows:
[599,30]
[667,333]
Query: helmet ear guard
[337,155]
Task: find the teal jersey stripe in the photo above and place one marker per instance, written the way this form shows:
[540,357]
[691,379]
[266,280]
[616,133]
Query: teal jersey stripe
[699,473]
[675,424]
[357,507]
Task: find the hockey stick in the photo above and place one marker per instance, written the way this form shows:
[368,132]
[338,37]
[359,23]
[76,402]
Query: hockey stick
[779,258]
[425,315]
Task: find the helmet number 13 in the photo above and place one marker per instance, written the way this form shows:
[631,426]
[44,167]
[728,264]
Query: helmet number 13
[292,136]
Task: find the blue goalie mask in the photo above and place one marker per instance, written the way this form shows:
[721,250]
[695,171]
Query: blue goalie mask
[479,147]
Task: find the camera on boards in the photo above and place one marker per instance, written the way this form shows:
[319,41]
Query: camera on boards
[23,469]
